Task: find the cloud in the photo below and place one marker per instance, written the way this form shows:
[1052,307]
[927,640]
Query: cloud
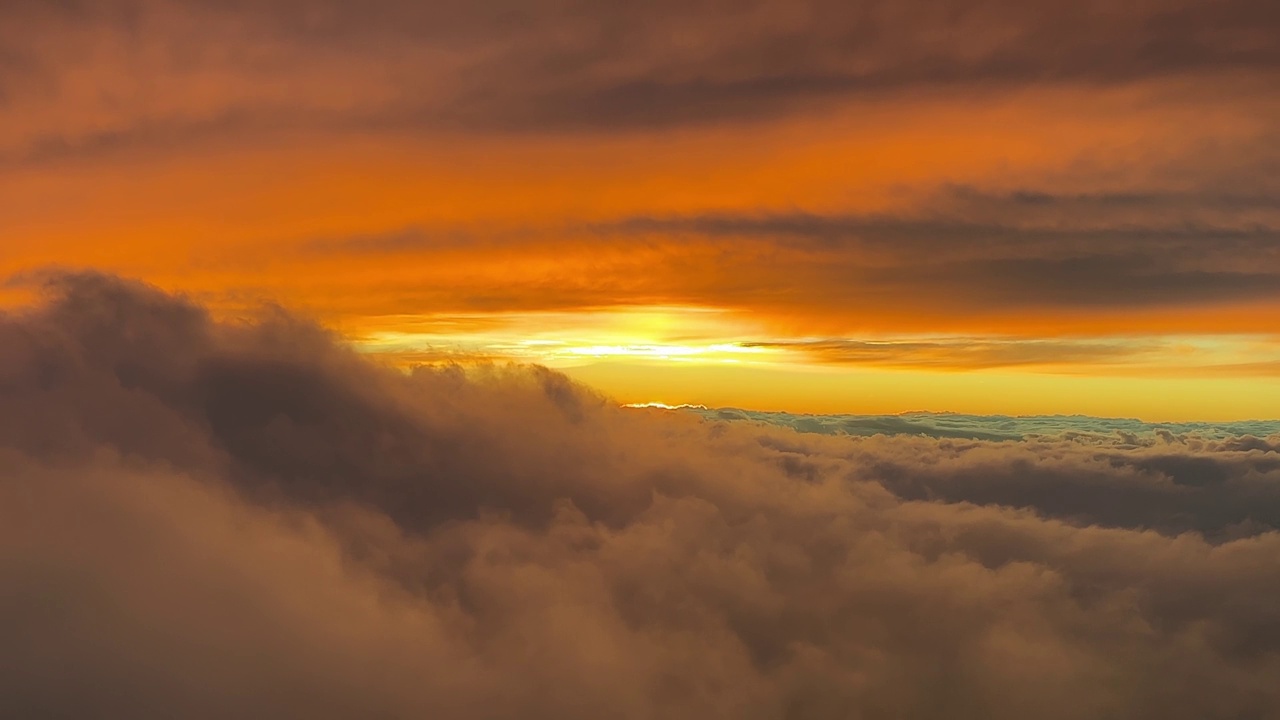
[281,65]
[969,252]
[204,519]
[1243,434]
[963,353]
[991,168]
[953,255]
[1218,479]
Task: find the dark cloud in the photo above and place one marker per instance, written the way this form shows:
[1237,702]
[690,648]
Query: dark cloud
[997,252]
[1008,223]
[1090,205]
[585,65]
[564,65]
[1096,281]
[202,519]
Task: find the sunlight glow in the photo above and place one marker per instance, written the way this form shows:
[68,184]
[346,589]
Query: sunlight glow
[655,334]
[691,356]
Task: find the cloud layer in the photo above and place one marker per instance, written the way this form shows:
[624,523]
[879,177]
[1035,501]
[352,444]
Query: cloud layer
[202,519]
[161,67]
[975,169]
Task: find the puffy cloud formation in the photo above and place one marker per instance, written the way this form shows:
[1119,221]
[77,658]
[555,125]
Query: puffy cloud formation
[1219,479]
[1125,432]
[205,519]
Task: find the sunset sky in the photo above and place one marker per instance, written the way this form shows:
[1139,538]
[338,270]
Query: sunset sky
[1061,206]
[640,359]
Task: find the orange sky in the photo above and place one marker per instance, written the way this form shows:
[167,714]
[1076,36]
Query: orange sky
[803,208]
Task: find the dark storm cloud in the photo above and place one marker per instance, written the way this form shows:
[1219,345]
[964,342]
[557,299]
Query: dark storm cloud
[205,520]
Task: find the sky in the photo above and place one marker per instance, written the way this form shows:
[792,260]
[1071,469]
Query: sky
[808,206]
[697,360]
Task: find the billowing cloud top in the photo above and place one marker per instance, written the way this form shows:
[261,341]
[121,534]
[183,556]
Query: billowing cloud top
[214,519]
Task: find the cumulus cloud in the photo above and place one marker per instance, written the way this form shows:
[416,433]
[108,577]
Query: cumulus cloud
[213,519]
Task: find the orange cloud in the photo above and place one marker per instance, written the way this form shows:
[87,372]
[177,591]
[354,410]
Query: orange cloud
[808,172]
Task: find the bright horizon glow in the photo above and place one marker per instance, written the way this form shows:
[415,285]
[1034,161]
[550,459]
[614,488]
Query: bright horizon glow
[1051,243]
[670,357]
[889,392]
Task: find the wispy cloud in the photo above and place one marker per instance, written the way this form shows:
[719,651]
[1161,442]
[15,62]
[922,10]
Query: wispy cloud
[968,353]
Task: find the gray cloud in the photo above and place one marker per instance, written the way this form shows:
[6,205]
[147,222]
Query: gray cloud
[960,223]
[959,250]
[555,65]
[1095,281]
[568,65]
[993,252]
[201,519]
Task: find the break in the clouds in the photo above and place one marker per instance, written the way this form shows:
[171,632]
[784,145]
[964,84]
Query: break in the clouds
[205,519]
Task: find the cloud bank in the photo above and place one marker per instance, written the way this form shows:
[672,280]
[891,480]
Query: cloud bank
[169,70]
[207,519]
[1126,432]
[833,169]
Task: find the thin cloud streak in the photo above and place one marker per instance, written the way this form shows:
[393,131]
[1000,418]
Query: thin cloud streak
[968,353]
[812,268]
